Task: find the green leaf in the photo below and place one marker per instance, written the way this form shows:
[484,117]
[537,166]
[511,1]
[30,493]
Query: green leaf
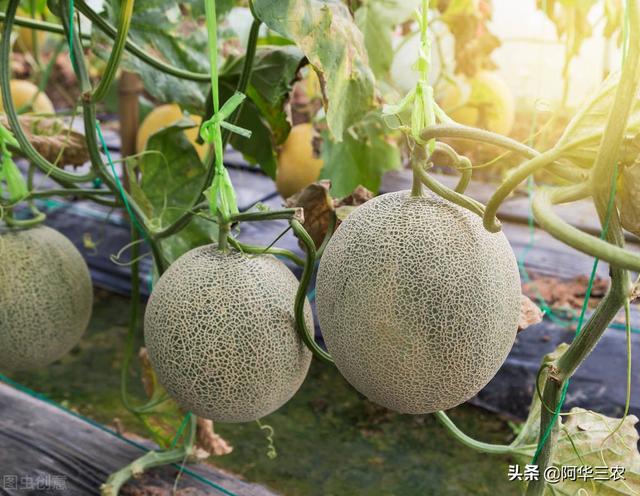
[581,139]
[259,149]
[360,159]
[170,34]
[170,181]
[328,36]
[275,69]
[376,19]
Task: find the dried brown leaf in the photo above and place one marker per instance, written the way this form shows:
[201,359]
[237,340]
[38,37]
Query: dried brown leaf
[53,140]
[530,314]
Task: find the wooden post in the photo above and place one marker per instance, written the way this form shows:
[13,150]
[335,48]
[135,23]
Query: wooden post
[129,88]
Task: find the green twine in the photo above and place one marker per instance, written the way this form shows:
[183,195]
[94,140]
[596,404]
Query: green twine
[181,429]
[123,195]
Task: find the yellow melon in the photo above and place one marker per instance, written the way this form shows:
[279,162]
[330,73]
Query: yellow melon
[24,92]
[483,101]
[163,116]
[297,165]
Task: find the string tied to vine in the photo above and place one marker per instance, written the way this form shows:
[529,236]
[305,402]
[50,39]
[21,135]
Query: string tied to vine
[221,195]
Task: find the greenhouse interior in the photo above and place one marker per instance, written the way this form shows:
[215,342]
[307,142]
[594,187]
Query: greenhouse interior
[320,247]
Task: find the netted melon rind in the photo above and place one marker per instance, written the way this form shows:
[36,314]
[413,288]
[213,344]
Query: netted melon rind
[46,297]
[418,303]
[221,334]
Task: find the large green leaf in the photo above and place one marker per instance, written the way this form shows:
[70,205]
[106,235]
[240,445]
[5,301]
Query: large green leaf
[172,175]
[274,71]
[376,19]
[581,139]
[360,159]
[173,33]
[328,36]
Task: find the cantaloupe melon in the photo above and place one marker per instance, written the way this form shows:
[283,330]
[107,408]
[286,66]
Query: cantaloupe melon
[418,303]
[24,92]
[45,297]
[163,116]
[297,165]
[221,334]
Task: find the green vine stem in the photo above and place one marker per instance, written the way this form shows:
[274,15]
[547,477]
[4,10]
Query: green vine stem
[568,172]
[59,175]
[418,162]
[93,147]
[103,25]
[150,460]
[49,27]
[551,222]
[295,213]
[454,430]
[260,250]
[124,22]
[80,192]
[512,181]
[36,220]
[461,163]
[603,174]
[301,296]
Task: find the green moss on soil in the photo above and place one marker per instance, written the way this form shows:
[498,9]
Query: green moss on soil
[329,440]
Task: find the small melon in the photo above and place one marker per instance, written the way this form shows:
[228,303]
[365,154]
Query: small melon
[488,103]
[297,165]
[418,303]
[23,93]
[45,297]
[163,116]
[221,334]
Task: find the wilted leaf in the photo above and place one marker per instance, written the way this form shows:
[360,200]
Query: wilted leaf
[53,139]
[468,21]
[320,208]
[571,18]
[209,441]
[585,439]
[334,45]
[530,314]
[360,159]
